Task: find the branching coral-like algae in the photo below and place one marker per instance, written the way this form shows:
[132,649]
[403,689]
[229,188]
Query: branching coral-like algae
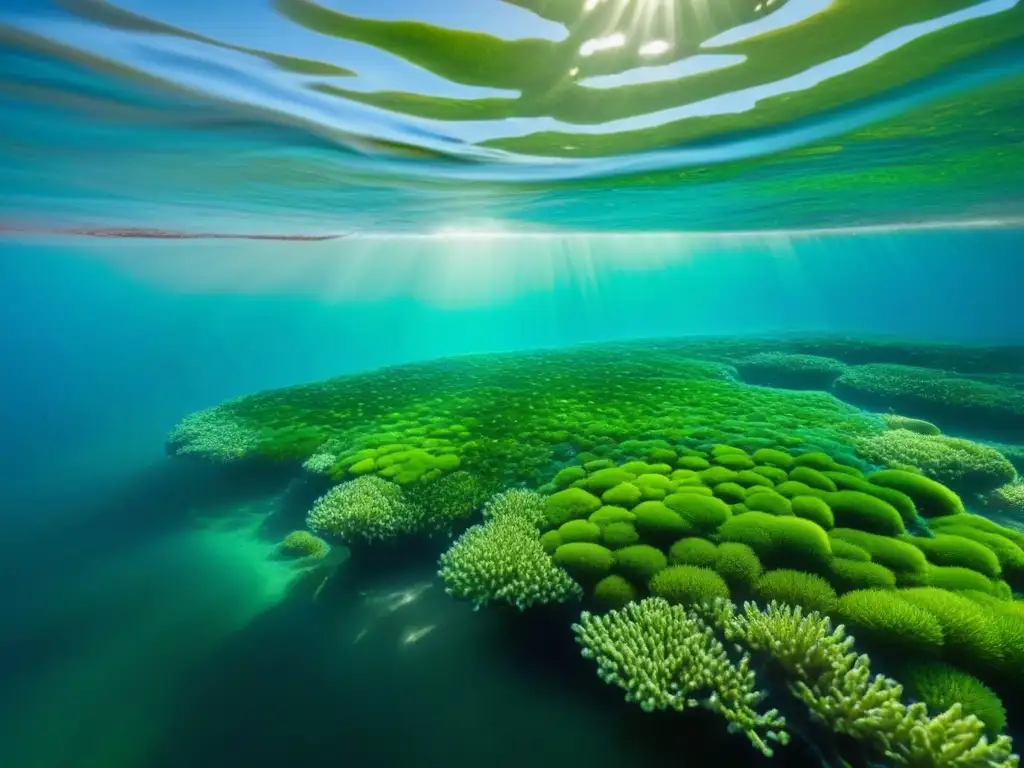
[664,656]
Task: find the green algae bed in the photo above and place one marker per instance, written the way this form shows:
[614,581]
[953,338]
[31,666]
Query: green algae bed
[715,507]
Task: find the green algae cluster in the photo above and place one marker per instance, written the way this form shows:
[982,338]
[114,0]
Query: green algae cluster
[516,417]
[302,544]
[541,418]
[892,554]
[663,550]
[670,489]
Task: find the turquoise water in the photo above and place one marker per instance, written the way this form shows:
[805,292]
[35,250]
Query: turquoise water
[202,201]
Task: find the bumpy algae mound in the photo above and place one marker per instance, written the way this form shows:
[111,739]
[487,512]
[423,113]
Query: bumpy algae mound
[963,465]
[303,544]
[514,418]
[922,427]
[867,571]
[370,509]
[848,540]
[363,510]
[940,686]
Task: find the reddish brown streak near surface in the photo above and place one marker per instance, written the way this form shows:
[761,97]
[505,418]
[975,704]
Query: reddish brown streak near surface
[155,234]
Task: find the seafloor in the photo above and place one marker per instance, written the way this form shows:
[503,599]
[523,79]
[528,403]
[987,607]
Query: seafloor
[670,543]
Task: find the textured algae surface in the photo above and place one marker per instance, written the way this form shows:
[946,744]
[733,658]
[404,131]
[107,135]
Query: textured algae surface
[732,524]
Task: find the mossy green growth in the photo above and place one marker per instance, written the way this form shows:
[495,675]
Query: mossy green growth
[807,590]
[775,474]
[639,563]
[653,481]
[551,540]
[792,488]
[595,464]
[406,467]
[814,509]
[696,463]
[700,490]
[688,585]
[850,575]
[623,495]
[898,556]
[730,493]
[715,475]
[659,524]
[579,530]
[816,460]
[570,504]
[848,551]
[1009,554]
[613,592]
[919,426]
[769,502]
[932,499]
[721,449]
[773,458]
[780,541]
[734,461]
[364,467]
[956,578]
[636,468]
[812,478]
[693,551]
[853,509]
[749,478]
[662,456]
[605,479]
[585,562]
[970,637]
[607,514]
[940,686]
[980,523]
[618,535]
[738,564]
[883,617]
[301,544]
[568,476]
[651,493]
[903,503]
[947,549]
[704,513]
[961,465]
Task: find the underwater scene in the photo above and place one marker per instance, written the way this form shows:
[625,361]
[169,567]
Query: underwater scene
[488,382]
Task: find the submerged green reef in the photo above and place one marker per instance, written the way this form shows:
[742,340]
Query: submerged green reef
[816,539]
